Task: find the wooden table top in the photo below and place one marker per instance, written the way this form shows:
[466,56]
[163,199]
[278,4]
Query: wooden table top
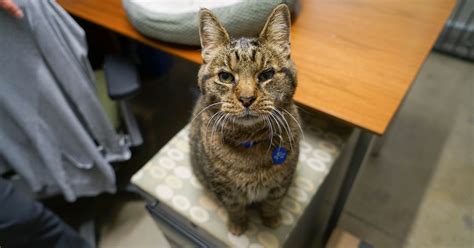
[356,59]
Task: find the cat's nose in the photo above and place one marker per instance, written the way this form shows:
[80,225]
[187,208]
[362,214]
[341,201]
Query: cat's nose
[247,100]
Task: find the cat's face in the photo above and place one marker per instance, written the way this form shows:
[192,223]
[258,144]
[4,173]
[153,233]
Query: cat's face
[247,78]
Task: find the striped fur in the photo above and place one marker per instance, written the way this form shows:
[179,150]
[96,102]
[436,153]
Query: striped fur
[263,72]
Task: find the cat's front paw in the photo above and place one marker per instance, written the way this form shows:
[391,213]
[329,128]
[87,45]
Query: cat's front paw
[272,222]
[238,228]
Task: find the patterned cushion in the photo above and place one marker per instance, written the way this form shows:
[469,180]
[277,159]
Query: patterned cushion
[169,178]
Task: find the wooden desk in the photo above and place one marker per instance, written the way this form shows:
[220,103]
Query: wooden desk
[356,58]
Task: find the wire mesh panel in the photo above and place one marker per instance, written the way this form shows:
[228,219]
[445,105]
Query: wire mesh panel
[457,37]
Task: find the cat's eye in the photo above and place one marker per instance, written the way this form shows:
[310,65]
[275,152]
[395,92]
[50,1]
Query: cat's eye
[266,75]
[226,77]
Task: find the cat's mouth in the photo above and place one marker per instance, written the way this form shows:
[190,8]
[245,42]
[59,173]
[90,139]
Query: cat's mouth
[248,120]
[248,117]
[247,114]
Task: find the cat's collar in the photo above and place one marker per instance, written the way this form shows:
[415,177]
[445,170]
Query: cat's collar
[252,143]
[279,153]
[248,143]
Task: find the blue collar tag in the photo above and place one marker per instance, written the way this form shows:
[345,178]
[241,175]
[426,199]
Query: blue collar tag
[279,155]
[247,144]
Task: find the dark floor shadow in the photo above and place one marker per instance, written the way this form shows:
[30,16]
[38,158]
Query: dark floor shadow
[163,107]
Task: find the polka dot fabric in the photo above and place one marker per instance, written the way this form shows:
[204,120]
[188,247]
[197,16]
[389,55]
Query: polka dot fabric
[169,178]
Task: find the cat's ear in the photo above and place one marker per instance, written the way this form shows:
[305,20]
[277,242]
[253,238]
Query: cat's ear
[212,34]
[277,29]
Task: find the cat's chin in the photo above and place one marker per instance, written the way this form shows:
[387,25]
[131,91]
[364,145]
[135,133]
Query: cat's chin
[248,120]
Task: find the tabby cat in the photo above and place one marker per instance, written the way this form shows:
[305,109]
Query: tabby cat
[245,132]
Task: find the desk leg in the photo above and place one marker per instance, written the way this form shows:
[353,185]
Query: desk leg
[360,150]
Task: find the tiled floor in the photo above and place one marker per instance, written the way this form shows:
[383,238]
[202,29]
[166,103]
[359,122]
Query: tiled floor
[417,193]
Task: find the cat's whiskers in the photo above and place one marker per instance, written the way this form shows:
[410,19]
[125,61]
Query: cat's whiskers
[304,110]
[281,118]
[216,125]
[267,121]
[297,122]
[278,124]
[286,121]
[218,113]
[210,119]
[227,116]
[281,136]
[221,124]
[204,109]
[279,128]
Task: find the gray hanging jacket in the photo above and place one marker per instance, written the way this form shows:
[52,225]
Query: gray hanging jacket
[53,130]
